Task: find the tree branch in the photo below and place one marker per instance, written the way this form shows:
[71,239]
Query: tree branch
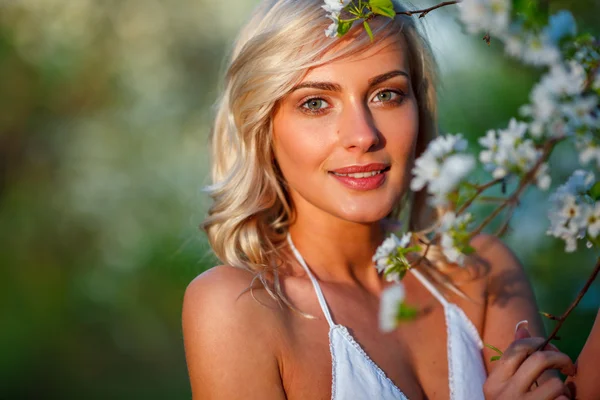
[425,11]
[574,304]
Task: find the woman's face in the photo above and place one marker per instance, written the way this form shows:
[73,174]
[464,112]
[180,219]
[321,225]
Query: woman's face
[345,136]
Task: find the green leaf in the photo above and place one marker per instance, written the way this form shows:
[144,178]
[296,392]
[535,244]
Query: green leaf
[368,29]
[344,27]
[468,249]
[383,7]
[497,350]
[406,312]
[595,191]
[495,358]
[534,13]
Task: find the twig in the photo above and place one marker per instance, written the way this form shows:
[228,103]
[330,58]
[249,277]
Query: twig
[507,219]
[480,189]
[425,11]
[563,317]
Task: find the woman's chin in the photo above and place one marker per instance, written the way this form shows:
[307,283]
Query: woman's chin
[365,214]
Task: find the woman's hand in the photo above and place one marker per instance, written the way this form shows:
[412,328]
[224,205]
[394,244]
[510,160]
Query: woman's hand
[517,374]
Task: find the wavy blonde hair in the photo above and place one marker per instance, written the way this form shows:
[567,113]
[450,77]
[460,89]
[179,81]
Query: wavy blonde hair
[248,220]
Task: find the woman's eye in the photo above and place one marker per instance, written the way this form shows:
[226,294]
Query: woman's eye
[388,95]
[315,105]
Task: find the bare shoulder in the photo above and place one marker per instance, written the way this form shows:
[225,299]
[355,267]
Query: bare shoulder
[231,336]
[496,253]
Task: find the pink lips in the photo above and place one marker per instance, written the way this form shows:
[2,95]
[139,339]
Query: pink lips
[365,182]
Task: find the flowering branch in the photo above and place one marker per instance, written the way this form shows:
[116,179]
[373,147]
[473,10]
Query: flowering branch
[526,181]
[574,304]
[425,11]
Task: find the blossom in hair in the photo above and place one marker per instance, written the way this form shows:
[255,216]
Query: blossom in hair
[332,29]
[391,301]
[441,167]
[455,237]
[572,211]
[334,8]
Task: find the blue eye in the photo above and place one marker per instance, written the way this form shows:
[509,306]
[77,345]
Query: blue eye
[386,96]
[315,105]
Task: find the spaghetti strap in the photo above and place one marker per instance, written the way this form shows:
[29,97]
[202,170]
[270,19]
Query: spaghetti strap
[430,287]
[320,296]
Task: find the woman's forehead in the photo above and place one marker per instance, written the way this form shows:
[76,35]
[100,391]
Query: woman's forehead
[374,59]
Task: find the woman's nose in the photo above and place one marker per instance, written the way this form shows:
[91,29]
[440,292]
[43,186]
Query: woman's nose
[357,129]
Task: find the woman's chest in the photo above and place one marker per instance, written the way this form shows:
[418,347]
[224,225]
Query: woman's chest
[414,358]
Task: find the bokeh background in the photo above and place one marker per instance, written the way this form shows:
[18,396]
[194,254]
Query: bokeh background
[105,109]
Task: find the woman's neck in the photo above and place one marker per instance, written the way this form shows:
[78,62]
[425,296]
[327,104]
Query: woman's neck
[338,250]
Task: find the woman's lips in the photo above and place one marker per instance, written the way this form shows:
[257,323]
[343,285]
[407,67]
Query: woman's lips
[367,177]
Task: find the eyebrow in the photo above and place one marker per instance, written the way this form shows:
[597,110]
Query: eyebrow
[334,87]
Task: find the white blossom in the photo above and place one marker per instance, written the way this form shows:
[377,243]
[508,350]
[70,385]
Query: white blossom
[335,6]
[441,167]
[539,50]
[332,29]
[507,151]
[557,108]
[391,301]
[581,111]
[591,218]
[569,214]
[588,150]
[485,15]
[387,250]
[450,227]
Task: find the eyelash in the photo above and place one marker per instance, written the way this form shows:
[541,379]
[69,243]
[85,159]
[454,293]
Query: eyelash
[401,95]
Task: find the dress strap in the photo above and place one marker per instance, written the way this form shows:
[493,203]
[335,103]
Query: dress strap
[430,287]
[320,296]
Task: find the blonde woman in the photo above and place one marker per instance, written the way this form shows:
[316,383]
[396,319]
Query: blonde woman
[313,145]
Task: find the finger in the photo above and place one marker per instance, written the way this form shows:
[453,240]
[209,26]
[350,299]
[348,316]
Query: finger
[522,330]
[537,363]
[515,355]
[549,390]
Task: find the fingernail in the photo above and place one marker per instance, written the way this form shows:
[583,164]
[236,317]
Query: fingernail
[524,322]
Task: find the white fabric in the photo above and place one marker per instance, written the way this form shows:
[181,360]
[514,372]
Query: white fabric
[356,376]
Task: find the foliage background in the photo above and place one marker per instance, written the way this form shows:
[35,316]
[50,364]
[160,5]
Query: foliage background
[105,110]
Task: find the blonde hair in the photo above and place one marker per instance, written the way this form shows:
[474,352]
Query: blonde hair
[248,220]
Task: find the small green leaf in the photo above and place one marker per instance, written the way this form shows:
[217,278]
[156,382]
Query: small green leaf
[468,249]
[534,13]
[595,191]
[344,27]
[495,358]
[368,29]
[406,312]
[497,350]
[383,7]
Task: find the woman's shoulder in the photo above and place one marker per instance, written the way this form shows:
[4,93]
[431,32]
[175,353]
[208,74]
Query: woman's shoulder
[227,292]
[497,257]
[230,331]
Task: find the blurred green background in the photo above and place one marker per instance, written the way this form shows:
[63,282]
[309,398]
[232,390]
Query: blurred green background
[105,109]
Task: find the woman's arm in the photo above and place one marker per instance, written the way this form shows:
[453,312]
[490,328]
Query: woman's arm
[230,339]
[586,384]
[509,296]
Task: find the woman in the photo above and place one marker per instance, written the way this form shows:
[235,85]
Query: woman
[313,145]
